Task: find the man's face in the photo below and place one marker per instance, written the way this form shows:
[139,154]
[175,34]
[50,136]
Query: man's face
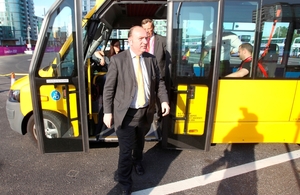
[148,28]
[138,40]
[241,53]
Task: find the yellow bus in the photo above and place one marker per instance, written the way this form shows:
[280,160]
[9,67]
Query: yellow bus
[58,105]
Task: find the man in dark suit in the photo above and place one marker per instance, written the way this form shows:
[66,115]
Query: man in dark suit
[156,44]
[157,47]
[124,88]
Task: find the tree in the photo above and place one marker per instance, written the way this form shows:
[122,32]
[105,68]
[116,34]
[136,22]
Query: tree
[280,32]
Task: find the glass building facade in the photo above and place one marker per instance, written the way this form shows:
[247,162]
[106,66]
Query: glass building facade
[17,21]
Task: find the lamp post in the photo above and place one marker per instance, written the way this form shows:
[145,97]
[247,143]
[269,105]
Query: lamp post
[28,37]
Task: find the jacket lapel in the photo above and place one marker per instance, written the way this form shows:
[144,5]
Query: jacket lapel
[147,61]
[130,69]
[156,40]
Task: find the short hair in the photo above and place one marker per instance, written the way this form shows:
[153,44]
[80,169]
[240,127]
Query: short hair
[247,46]
[130,31]
[145,21]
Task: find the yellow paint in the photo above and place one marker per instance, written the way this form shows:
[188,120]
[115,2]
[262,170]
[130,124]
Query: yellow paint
[60,105]
[257,111]
[196,111]
[295,116]
[48,103]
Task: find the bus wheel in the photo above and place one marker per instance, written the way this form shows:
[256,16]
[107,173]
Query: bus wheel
[54,123]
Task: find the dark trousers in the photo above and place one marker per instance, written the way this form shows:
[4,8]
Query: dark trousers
[131,138]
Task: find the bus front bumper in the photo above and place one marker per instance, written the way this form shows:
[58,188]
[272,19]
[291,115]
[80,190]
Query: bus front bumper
[14,116]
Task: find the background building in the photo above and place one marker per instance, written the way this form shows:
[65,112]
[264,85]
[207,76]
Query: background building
[17,20]
[18,23]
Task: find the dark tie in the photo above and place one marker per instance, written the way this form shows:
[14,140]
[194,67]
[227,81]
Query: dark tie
[139,77]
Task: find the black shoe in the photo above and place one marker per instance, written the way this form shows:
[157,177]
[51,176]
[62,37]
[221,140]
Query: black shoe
[116,176]
[126,192]
[139,169]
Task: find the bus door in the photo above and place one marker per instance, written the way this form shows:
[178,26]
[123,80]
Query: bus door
[58,90]
[194,75]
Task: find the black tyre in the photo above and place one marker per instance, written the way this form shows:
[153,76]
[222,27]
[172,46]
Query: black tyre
[55,126]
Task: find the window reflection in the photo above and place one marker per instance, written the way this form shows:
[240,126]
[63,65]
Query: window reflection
[191,25]
[57,35]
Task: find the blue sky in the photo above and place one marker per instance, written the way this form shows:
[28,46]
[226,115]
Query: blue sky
[40,6]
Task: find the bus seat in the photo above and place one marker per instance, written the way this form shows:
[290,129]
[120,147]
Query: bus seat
[187,69]
[292,74]
[279,72]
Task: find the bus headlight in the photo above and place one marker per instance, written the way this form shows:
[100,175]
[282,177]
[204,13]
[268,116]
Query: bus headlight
[14,95]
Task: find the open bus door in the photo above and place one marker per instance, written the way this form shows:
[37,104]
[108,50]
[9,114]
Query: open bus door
[60,119]
[193,86]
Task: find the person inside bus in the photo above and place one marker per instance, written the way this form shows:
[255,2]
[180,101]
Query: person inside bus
[245,54]
[103,61]
[129,97]
[186,56]
[230,45]
[156,46]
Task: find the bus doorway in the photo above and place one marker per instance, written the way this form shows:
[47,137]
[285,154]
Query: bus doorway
[193,82]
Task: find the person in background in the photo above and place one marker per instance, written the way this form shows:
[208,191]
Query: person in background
[230,45]
[156,46]
[132,83]
[245,54]
[103,61]
[186,56]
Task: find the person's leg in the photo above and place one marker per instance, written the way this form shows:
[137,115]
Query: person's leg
[141,130]
[126,137]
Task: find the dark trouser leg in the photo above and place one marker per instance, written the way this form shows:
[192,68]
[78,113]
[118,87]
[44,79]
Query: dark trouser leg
[100,125]
[141,131]
[126,139]
[129,140]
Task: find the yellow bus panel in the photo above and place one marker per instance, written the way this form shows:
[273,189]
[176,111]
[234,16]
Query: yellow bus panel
[257,111]
[266,100]
[295,116]
[197,110]
[59,103]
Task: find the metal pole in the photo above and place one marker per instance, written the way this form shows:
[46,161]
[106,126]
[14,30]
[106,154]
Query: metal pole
[28,36]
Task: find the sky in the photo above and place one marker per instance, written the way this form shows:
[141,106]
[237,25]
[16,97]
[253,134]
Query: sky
[41,6]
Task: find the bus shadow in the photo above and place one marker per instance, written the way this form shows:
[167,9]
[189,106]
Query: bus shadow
[238,154]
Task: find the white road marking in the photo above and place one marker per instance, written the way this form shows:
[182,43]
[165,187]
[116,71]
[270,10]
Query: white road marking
[218,175]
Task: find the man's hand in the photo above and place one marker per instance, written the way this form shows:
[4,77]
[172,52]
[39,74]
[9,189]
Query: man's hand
[107,119]
[165,108]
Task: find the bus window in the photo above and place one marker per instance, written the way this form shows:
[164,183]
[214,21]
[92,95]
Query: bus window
[58,34]
[189,27]
[295,48]
[280,32]
[245,38]
[238,28]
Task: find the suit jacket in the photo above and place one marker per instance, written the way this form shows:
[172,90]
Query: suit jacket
[160,52]
[121,86]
